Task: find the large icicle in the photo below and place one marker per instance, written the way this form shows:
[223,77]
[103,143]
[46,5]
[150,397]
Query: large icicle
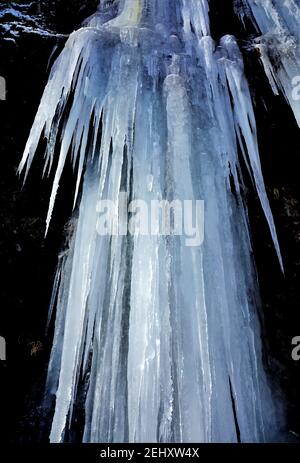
[162,340]
[279,45]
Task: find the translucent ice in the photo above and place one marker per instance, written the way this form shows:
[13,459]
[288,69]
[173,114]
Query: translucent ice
[278,21]
[162,340]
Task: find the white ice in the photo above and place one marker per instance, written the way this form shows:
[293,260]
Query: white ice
[278,22]
[163,338]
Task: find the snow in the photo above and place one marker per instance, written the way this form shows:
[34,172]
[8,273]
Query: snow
[165,337]
[14,14]
[15,21]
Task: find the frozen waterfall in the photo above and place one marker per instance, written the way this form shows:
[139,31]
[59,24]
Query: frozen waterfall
[161,341]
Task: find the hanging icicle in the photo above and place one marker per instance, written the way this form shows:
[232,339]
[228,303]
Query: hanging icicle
[279,44]
[164,337]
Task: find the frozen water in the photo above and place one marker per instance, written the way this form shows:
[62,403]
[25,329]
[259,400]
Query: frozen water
[278,21]
[164,337]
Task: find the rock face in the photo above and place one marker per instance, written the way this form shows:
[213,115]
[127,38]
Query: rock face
[29,32]
[45,18]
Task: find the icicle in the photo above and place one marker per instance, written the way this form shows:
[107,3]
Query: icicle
[245,125]
[278,22]
[160,338]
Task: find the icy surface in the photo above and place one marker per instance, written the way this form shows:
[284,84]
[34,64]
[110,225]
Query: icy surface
[278,21]
[164,338]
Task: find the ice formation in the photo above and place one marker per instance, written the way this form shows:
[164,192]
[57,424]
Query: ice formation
[278,21]
[161,341]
